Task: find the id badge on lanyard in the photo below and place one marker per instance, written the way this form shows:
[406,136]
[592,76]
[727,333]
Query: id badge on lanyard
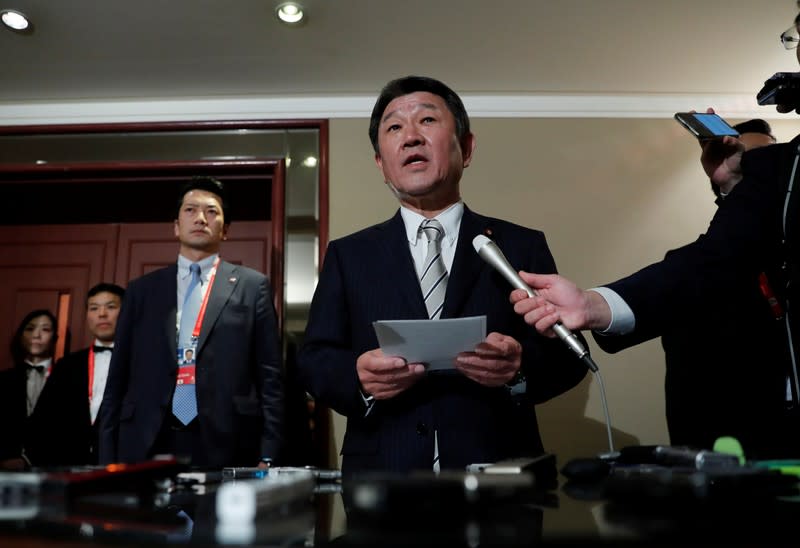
[187,355]
[186,363]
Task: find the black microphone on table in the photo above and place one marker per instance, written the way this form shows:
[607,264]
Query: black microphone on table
[490,252]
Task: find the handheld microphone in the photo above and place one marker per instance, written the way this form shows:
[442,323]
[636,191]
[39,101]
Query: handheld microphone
[490,253]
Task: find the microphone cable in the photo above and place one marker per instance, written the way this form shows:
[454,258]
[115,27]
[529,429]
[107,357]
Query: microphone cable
[599,378]
[490,252]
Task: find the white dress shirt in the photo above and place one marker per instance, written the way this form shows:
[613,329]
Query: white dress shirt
[450,220]
[99,377]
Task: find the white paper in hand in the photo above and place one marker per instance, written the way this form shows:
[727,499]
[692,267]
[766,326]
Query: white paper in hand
[432,342]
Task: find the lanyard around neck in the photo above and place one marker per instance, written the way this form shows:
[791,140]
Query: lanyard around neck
[201,314]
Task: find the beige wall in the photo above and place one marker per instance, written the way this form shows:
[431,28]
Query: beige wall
[611,195]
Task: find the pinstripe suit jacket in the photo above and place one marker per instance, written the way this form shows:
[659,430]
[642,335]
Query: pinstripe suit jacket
[370,276]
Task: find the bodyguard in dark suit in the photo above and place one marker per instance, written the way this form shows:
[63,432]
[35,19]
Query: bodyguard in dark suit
[66,414]
[236,377]
[399,417]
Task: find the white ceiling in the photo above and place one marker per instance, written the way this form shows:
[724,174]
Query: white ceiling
[114,50]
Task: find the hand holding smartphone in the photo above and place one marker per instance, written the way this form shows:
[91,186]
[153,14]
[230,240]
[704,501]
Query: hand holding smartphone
[705,125]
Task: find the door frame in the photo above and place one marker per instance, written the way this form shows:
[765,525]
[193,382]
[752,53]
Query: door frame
[270,169]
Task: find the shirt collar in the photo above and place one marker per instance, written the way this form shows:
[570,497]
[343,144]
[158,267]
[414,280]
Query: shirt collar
[44,363]
[205,266]
[450,219]
[98,342]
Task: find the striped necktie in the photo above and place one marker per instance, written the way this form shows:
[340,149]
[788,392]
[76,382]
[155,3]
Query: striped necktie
[433,279]
[433,282]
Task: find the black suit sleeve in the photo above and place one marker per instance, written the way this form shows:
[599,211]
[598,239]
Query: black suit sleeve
[117,382]
[743,236]
[13,412]
[60,424]
[326,361]
[269,371]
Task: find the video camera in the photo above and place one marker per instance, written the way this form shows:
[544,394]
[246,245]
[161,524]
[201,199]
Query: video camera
[783,88]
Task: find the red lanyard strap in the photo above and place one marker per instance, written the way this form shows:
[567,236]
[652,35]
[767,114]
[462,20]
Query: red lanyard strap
[201,314]
[766,290]
[91,372]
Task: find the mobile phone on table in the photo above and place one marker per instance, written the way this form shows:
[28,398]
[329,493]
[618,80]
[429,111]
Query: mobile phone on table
[705,126]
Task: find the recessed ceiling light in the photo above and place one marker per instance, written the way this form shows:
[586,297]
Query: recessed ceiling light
[290,12]
[15,20]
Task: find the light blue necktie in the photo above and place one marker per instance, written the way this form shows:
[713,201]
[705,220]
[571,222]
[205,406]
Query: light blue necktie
[184,401]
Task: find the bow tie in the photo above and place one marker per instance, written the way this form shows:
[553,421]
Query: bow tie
[38,368]
[98,348]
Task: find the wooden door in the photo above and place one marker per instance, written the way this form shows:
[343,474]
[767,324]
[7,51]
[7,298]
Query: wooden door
[144,247]
[52,267]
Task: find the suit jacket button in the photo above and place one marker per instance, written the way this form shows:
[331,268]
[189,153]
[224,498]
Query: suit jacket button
[422,429]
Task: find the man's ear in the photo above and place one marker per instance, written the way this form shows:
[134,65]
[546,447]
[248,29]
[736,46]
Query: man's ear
[467,148]
[176,229]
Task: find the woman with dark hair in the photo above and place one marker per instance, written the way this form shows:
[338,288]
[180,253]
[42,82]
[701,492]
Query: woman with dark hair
[32,349]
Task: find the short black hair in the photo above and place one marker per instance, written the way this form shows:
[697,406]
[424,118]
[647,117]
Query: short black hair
[209,184]
[756,125]
[412,84]
[18,352]
[105,287]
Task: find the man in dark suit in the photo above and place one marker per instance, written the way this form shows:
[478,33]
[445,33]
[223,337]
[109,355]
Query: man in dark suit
[745,238]
[225,409]
[66,414]
[706,385]
[753,231]
[399,417]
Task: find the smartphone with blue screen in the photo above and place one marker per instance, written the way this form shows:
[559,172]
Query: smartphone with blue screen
[705,126]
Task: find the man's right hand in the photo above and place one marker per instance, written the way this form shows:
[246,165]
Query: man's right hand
[384,377]
[559,299]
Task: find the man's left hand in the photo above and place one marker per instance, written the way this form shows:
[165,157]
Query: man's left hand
[494,362]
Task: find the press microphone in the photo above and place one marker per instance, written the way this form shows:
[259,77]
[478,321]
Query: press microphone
[490,252]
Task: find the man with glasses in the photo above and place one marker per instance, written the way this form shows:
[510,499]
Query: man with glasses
[753,231]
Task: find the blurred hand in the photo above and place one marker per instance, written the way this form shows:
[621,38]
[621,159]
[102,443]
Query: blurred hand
[15,464]
[722,159]
[494,362]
